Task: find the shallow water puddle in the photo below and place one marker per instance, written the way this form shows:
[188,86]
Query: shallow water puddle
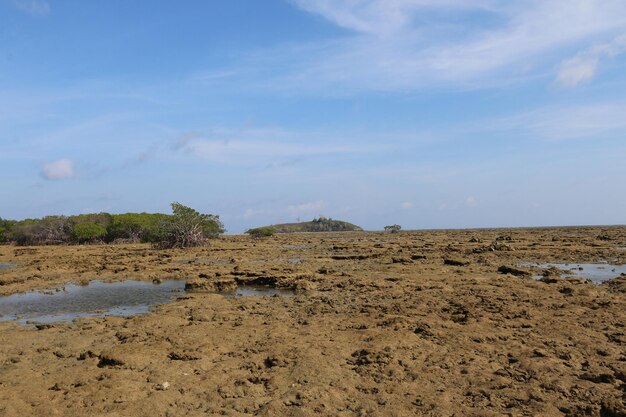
[595,272]
[126,298]
[7,266]
[99,299]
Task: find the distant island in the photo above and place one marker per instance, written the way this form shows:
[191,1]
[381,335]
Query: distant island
[321,224]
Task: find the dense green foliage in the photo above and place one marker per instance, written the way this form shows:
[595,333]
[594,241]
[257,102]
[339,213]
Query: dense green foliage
[5,229]
[187,228]
[321,224]
[394,228]
[88,232]
[135,227]
[104,227]
[260,232]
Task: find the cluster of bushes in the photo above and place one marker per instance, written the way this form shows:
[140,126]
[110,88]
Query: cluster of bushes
[185,227]
[394,228]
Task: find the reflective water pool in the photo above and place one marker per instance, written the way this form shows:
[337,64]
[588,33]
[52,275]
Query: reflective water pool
[595,272]
[98,299]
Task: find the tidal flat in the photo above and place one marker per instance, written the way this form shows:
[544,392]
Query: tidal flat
[424,323]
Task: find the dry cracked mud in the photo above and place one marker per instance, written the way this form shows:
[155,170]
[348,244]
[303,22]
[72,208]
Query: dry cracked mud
[431,323]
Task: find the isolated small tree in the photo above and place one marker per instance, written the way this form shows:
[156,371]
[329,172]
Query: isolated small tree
[188,228]
[261,232]
[394,228]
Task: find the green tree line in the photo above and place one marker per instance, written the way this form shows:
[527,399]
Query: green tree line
[185,227]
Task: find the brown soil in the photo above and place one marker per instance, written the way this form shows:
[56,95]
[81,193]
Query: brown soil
[407,324]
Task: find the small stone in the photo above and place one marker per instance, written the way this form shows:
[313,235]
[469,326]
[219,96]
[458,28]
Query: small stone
[163,387]
[518,272]
[455,262]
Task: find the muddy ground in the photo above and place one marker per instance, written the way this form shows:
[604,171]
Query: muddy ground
[406,324]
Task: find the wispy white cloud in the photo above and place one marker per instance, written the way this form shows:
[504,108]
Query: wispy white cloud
[380,17]
[265,146]
[587,121]
[33,7]
[471,202]
[584,66]
[58,170]
[399,45]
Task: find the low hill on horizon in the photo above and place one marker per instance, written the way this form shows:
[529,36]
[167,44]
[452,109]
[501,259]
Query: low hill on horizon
[316,225]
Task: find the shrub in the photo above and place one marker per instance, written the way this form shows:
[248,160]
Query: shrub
[260,232]
[187,228]
[394,228]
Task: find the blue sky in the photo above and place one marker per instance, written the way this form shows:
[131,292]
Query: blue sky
[425,113]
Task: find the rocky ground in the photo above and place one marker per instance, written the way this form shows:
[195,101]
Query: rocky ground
[404,324]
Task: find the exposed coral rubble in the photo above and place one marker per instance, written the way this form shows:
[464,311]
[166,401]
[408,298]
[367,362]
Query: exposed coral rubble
[436,323]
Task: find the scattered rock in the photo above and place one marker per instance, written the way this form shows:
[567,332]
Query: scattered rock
[423,329]
[85,355]
[324,270]
[578,280]
[494,247]
[518,272]
[108,359]
[550,279]
[398,260]
[613,408]
[304,286]
[458,313]
[602,378]
[455,262]
[364,357]
[180,356]
[273,361]
[163,386]
[617,285]
[552,271]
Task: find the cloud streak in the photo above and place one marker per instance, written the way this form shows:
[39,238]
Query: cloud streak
[584,66]
[405,45]
[268,147]
[586,121]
